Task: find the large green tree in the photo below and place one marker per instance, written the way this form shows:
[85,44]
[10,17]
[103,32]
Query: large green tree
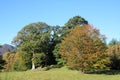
[35,39]
[84,49]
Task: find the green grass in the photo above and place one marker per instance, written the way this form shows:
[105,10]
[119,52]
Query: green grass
[55,74]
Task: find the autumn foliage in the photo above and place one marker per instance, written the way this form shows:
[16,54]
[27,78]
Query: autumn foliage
[84,49]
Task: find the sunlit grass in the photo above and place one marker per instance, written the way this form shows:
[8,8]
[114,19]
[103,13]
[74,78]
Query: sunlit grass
[55,74]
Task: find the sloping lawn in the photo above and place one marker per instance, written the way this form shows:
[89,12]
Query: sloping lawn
[55,74]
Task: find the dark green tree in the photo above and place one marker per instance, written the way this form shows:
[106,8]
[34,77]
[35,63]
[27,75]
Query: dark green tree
[76,20]
[72,23]
[61,32]
[2,62]
[56,40]
[113,42]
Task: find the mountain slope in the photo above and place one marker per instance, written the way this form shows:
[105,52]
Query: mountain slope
[6,47]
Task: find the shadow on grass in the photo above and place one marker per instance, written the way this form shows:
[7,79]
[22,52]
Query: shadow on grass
[108,72]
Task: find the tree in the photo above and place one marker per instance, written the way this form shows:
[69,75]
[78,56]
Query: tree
[114,53]
[76,20]
[60,61]
[8,57]
[56,40]
[2,62]
[113,42]
[61,32]
[84,49]
[72,23]
[32,40]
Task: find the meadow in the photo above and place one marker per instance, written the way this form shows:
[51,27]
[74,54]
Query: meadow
[55,74]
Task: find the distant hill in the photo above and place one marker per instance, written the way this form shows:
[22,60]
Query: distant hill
[5,47]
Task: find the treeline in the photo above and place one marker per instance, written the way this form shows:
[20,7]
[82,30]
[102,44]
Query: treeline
[77,44]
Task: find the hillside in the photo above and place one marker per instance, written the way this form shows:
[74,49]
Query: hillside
[6,47]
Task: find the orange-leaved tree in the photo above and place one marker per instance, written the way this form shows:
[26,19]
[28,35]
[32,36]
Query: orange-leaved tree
[84,49]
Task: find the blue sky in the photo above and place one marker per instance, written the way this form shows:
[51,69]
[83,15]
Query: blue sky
[15,14]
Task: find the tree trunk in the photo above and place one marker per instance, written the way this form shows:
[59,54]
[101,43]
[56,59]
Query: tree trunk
[33,65]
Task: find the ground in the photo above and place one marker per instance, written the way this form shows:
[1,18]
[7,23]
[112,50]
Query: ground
[56,74]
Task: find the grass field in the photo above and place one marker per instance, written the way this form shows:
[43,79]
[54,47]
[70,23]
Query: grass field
[55,74]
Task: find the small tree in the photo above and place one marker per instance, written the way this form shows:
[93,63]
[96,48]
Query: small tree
[84,49]
[114,53]
[22,61]
[2,62]
[8,57]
